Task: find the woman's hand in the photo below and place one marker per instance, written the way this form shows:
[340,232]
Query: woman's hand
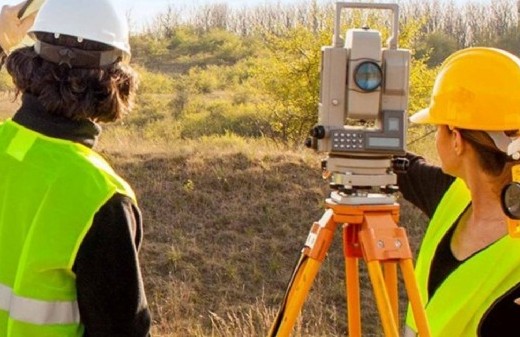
[12,29]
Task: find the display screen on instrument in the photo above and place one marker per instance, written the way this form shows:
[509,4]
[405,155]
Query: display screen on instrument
[384,142]
[394,124]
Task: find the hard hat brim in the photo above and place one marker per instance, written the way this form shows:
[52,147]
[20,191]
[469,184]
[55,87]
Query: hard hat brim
[422,117]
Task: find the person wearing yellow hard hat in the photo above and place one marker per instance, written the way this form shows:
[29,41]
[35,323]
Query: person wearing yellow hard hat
[468,268]
[70,227]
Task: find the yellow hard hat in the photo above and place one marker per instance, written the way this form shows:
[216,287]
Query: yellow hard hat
[477,89]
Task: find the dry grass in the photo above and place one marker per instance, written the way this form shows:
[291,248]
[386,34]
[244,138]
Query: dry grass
[225,219]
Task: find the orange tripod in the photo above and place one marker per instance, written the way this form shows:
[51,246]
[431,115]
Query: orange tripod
[370,232]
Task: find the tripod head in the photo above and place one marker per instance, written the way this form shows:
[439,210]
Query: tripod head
[362,117]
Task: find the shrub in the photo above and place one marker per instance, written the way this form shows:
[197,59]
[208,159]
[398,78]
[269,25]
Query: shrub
[221,117]
[156,83]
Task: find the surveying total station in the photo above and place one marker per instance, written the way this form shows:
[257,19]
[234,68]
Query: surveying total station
[361,127]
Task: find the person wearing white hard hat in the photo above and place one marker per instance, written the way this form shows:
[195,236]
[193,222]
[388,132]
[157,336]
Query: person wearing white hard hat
[70,227]
[468,268]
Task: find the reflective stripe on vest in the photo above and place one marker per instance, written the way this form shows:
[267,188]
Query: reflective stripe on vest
[51,189]
[460,302]
[38,312]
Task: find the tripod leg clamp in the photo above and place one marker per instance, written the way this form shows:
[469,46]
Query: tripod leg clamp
[385,244]
[320,237]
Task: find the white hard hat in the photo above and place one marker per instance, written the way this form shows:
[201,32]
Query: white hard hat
[95,20]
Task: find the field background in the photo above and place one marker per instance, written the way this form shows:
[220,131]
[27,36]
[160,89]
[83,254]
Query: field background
[214,151]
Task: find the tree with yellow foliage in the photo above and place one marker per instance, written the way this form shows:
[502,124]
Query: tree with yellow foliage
[289,73]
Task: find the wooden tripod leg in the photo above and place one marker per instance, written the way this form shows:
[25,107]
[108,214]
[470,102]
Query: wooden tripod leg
[352,252]
[353,299]
[313,254]
[382,299]
[295,297]
[370,233]
[415,299]
[390,272]
[383,240]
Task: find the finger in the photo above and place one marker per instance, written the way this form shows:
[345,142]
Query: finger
[28,22]
[30,18]
[13,10]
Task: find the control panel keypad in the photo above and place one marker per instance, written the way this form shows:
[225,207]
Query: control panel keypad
[347,141]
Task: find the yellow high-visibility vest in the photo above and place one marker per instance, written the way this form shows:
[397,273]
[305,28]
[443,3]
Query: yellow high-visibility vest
[50,190]
[460,302]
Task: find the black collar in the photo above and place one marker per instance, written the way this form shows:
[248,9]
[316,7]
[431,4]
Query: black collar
[32,115]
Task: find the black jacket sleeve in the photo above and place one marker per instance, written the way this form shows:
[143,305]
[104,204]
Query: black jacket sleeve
[502,318]
[423,184]
[111,296]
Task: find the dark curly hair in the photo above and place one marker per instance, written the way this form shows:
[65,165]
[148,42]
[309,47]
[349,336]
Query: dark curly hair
[103,94]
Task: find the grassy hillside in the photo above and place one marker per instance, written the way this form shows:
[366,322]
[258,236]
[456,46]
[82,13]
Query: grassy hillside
[225,220]
[226,216]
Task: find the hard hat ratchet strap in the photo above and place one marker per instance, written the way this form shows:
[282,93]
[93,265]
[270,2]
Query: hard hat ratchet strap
[500,139]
